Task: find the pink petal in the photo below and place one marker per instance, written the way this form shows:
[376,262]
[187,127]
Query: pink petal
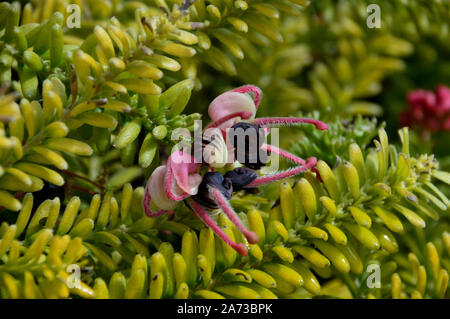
[155,187]
[253,90]
[229,103]
[443,98]
[183,168]
[422,99]
[146,203]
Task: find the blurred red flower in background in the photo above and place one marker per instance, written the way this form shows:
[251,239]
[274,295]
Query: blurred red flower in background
[428,111]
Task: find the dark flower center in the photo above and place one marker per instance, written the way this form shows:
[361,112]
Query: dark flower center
[217,181]
[247,140]
[241,177]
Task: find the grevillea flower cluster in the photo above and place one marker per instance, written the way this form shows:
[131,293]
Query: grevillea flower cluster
[428,111]
[179,179]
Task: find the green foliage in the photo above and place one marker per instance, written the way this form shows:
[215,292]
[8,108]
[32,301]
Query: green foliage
[330,60]
[92,111]
[335,229]
[333,143]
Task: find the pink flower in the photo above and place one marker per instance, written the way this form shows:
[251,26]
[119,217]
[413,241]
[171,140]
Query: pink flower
[429,111]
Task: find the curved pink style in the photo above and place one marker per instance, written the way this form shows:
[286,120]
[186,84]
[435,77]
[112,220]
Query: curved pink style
[223,203]
[309,164]
[288,121]
[204,216]
[279,151]
[288,156]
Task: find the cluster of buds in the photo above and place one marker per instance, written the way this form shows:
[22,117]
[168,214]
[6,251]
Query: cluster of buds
[202,187]
[429,111]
